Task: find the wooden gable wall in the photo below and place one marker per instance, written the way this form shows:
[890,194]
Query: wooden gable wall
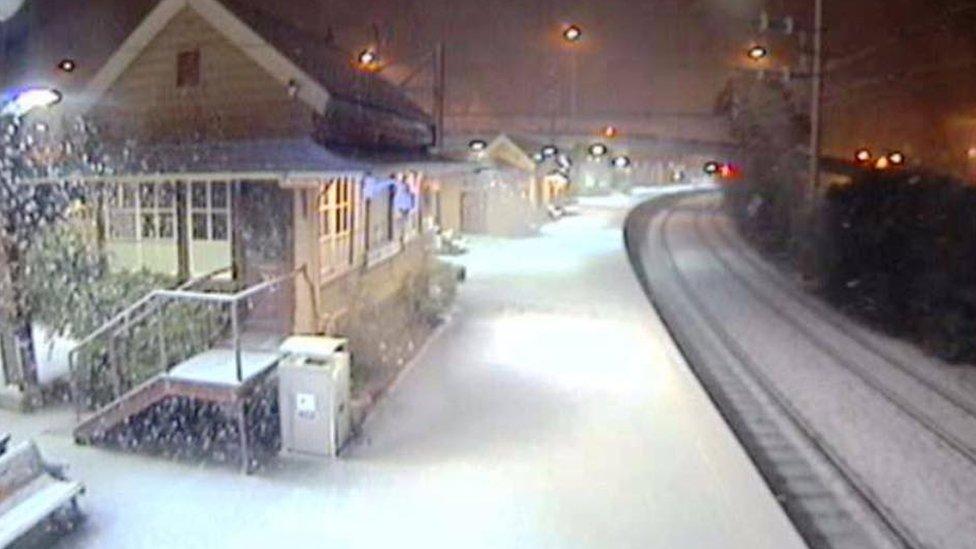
[235,99]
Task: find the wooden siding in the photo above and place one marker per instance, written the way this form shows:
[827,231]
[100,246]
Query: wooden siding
[236,98]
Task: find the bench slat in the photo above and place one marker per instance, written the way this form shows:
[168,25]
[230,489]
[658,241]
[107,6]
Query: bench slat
[31,511]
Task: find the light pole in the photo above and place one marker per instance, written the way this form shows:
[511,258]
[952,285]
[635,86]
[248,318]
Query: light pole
[817,97]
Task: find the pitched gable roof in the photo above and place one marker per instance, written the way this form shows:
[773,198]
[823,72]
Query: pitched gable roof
[321,70]
[328,63]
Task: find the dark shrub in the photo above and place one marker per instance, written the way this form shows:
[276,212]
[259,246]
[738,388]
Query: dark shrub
[899,252]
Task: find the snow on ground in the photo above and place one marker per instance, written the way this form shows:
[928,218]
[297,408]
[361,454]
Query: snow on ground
[928,484]
[551,411]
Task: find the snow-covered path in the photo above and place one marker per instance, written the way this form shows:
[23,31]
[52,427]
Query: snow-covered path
[902,423]
[552,411]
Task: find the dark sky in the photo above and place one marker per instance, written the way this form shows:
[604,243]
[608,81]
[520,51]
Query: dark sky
[639,56]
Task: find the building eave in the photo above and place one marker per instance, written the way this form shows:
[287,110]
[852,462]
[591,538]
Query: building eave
[282,69]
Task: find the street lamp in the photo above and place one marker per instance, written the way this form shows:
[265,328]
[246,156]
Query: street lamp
[621,162]
[598,149]
[368,60]
[30,99]
[862,155]
[896,158]
[572,33]
[757,53]
[610,132]
[67,65]
[8,8]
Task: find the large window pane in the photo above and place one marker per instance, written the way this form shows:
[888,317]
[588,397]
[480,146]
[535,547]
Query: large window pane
[198,195]
[166,226]
[199,226]
[166,195]
[128,196]
[148,226]
[147,195]
[219,226]
[218,195]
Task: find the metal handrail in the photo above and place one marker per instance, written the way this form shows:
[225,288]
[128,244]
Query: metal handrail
[234,300]
[183,293]
[124,317]
[120,317]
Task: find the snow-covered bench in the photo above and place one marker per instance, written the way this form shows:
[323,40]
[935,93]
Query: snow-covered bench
[30,493]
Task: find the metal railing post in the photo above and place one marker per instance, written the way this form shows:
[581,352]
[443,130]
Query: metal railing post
[236,331]
[113,365]
[161,340]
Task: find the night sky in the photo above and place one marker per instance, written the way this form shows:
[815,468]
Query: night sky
[647,56]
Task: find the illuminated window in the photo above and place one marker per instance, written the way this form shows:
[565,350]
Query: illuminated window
[335,209]
[379,215]
[188,69]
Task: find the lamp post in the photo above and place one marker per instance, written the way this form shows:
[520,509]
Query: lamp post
[816,100]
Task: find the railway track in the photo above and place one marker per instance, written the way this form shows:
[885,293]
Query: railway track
[831,505]
[829,347]
[858,335]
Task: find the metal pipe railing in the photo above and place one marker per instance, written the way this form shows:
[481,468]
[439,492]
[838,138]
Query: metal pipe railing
[110,328]
[180,294]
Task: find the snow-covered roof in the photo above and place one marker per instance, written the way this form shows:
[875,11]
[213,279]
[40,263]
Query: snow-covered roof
[273,158]
[43,36]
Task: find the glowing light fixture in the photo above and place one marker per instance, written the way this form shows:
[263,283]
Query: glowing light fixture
[598,150]
[862,155]
[477,145]
[757,53]
[572,33]
[621,162]
[30,99]
[369,60]
[896,158]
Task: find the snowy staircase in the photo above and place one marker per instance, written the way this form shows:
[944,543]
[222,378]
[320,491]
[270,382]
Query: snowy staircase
[120,410]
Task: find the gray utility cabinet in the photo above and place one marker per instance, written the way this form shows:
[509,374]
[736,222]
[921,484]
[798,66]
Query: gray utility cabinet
[313,395]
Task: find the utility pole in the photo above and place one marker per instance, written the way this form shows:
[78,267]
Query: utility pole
[816,98]
[440,82]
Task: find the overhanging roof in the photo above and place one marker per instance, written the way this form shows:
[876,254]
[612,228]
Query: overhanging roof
[287,53]
[271,158]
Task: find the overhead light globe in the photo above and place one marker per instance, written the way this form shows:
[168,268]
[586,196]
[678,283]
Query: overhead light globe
[621,162]
[598,150]
[30,99]
[9,8]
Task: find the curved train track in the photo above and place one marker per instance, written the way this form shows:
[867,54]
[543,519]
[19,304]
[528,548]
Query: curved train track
[897,533]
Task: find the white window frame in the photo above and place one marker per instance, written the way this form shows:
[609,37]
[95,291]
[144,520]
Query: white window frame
[336,211]
[209,210]
[137,209]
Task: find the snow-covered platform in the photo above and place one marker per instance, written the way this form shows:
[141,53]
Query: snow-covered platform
[218,367]
[552,410]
